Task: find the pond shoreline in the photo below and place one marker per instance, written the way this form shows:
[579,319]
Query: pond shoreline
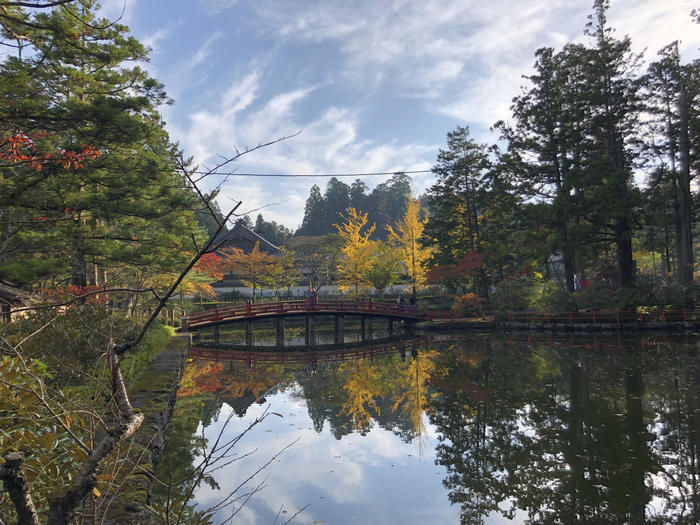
[578,327]
[155,396]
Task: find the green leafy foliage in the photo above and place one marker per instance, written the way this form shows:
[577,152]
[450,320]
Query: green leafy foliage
[384,267]
[88,184]
[29,426]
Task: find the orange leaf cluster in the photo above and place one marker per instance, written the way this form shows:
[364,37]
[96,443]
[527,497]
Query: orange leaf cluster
[211,265]
[68,293]
[21,148]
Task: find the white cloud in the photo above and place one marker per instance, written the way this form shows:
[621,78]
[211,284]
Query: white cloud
[121,10]
[322,470]
[328,143]
[216,6]
[153,40]
[203,52]
[464,59]
[461,60]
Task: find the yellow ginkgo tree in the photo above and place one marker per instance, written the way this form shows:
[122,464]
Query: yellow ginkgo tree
[356,250]
[406,240]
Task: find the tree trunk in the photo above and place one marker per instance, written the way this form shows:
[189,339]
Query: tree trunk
[684,217]
[625,260]
[568,269]
[79,270]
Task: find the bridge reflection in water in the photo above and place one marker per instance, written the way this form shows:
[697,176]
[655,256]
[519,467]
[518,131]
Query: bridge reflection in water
[405,347]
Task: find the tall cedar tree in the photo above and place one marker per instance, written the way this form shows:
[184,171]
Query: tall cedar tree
[610,94]
[116,216]
[457,201]
[671,101]
[546,149]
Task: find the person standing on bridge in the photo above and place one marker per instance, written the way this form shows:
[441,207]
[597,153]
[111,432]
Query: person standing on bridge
[314,298]
[412,304]
[309,297]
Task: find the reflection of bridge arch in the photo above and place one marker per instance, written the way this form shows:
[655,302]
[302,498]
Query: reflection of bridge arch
[280,310]
[252,358]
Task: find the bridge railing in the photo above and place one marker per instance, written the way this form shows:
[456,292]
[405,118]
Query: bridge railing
[393,309]
[229,313]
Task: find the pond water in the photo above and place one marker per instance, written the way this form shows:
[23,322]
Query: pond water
[470,428]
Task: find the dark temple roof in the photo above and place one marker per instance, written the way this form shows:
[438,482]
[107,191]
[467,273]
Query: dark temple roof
[243,238]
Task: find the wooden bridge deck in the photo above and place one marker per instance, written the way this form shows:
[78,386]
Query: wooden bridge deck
[235,313]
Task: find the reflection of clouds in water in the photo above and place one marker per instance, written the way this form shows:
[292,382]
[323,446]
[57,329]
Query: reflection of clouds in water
[378,446]
[330,474]
[301,461]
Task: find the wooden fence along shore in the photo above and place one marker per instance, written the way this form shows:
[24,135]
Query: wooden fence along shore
[659,318]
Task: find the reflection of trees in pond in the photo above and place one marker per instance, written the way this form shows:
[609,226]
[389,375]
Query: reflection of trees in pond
[205,386]
[476,416]
[323,394]
[361,384]
[411,394]
[237,385]
[174,473]
[677,446]
[351,395]
[564,434]
[387,390]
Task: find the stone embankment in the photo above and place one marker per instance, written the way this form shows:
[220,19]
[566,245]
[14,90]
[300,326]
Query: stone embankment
[578,327]
[154,394]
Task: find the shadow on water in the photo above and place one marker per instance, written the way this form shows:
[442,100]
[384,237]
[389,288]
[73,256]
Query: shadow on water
[470,428]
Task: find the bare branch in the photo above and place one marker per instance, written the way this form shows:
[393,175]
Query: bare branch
[36,5]
[239,153]
[297,513]
[85,295]
[120,350]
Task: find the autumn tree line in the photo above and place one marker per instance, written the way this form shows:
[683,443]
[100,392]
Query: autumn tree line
[94,195]
[101,217]
[558,202]
[350,258]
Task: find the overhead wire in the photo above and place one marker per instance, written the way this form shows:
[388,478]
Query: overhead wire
[236,174]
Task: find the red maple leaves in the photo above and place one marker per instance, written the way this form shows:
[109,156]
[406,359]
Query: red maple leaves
[22,148]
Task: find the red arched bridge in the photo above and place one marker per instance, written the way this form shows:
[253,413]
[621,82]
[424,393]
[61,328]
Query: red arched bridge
[280,310]
[229,314]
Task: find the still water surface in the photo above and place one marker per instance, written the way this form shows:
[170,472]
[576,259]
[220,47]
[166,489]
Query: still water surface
[448,429]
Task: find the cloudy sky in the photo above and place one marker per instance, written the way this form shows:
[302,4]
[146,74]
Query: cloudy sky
[370,86]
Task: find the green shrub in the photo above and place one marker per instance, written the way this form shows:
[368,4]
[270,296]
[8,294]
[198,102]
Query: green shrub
[550,296]
[595,297]
[512,295]
[71,342]
[656,290]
